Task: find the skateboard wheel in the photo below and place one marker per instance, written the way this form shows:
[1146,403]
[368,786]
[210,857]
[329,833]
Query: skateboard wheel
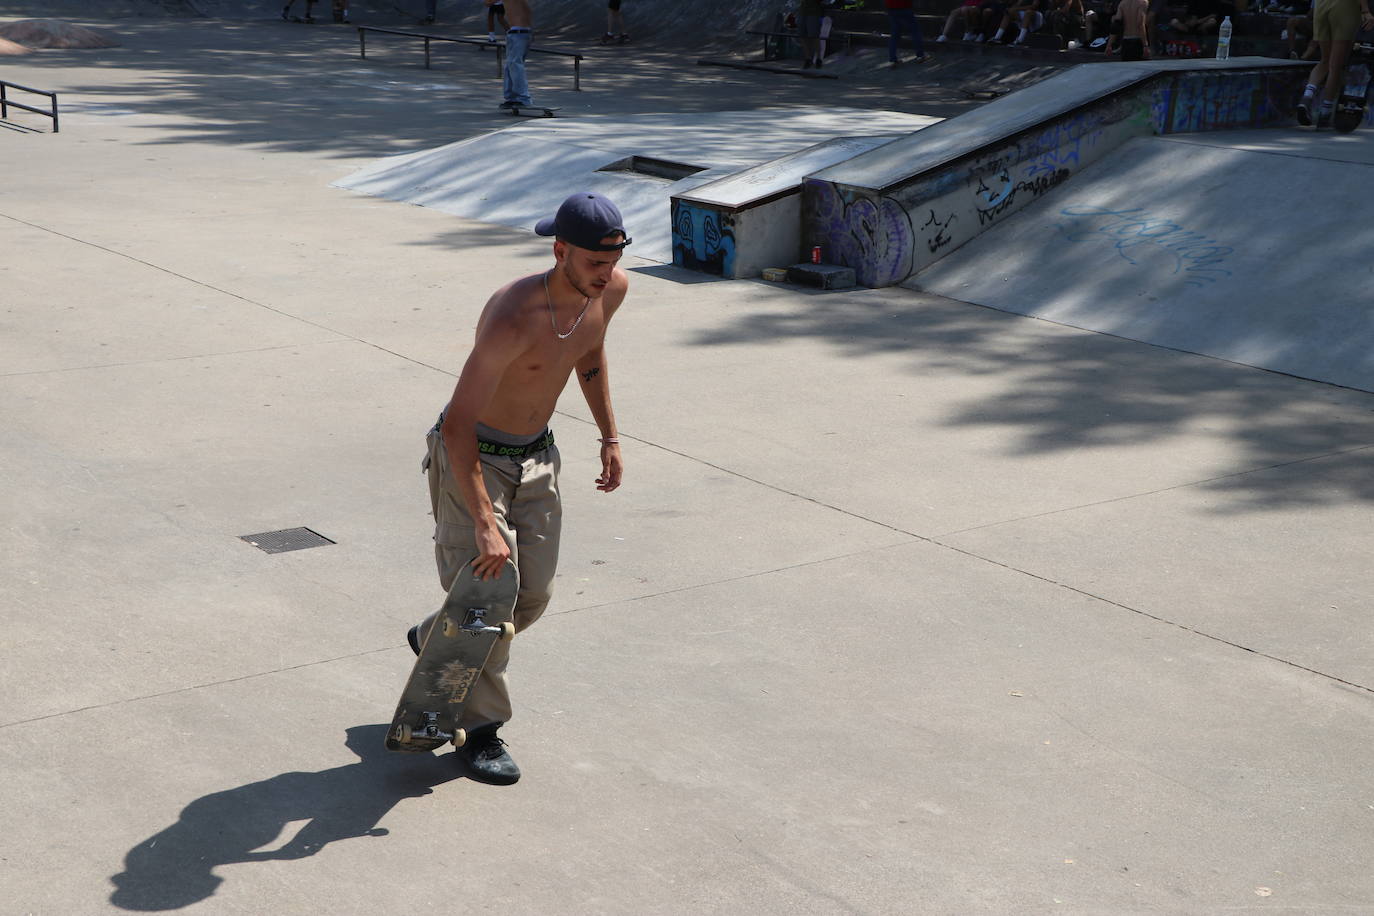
[403,733]
[450,628]
[507,630]
[460,737]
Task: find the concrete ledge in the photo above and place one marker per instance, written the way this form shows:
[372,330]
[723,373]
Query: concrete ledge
[739,225]
[894,211]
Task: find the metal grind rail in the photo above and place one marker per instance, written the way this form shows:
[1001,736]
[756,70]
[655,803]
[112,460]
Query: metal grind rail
[6,103]
[480,43]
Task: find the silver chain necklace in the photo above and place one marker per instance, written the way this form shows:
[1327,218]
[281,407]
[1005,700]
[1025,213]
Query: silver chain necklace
[553,320]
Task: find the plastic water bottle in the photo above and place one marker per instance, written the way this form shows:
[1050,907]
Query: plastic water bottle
[1224,39]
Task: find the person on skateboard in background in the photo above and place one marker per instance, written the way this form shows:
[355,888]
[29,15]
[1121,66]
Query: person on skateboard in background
[515,85]
[1335,23]
[492,465]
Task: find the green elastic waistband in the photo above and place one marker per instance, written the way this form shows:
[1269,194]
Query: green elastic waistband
[503,450]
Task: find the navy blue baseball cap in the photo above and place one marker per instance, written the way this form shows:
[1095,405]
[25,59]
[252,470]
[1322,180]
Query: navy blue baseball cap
[584,220]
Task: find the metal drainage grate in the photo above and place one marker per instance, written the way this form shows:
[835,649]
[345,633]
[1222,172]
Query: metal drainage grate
[289,539]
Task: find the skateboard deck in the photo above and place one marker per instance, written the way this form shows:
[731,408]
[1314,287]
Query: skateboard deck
[533,111]
[1355,95]
[476,613]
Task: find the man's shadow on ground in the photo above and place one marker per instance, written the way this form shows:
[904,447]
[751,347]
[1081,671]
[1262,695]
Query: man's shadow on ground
[175,867]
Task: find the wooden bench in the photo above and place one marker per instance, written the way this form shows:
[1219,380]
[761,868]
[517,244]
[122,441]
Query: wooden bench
[480,43]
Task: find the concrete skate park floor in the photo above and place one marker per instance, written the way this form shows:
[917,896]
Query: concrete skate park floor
[906,606]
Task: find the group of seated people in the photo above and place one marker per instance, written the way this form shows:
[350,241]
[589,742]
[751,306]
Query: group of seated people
[1077,23]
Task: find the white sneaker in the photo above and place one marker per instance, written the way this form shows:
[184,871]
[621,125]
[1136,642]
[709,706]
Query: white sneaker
[941,39]
[491,36]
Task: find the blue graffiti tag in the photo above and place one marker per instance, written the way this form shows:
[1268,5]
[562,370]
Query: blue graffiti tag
[1195,255]
[703,239]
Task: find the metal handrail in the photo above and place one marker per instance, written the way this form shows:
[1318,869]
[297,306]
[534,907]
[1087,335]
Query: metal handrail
[500,47]
[6,103]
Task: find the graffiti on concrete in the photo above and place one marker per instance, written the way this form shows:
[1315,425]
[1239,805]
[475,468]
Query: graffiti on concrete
[887,233]
[872,235]
[992,200]
[1061,144]
[934,231]
[1135,234]
[1201,102]
[703,239]
[1037,162]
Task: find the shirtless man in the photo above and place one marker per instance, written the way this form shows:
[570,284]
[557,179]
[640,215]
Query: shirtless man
[492,464]
[1134,29]
[515,86]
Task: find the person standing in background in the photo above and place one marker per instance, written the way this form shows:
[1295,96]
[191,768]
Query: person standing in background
[516,87]
[901,17]
[1334,26]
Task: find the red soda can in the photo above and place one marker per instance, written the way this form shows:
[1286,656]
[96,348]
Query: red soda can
[816,255]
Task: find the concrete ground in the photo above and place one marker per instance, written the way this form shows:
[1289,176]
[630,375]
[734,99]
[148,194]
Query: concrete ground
[906,606]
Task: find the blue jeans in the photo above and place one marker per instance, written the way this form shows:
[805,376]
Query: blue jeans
[517,88]
[899,20]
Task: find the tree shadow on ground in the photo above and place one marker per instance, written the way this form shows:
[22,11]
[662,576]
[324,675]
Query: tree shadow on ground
[1059,389]
[176,867]
[279,86]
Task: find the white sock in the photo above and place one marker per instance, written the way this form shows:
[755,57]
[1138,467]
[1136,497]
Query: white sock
[1024,32]
[998,36]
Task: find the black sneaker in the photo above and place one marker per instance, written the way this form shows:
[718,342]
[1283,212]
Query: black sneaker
[1323,119]
[485,758]
[413,637]
[1304,114]
[510,105]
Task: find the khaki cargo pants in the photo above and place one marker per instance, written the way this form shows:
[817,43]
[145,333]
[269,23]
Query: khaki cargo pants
[524,497]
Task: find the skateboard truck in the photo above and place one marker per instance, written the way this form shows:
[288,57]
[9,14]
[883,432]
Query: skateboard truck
[476,625]
[428,728]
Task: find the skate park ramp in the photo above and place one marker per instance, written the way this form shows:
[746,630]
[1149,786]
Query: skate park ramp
[518,176]
[1241,245]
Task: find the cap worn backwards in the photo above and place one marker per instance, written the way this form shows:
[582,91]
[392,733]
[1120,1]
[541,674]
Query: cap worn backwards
[584,220]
